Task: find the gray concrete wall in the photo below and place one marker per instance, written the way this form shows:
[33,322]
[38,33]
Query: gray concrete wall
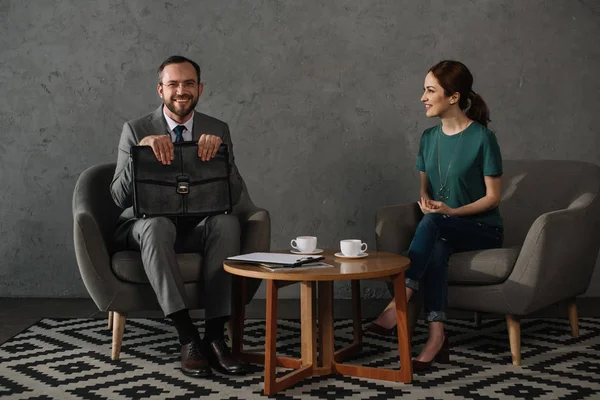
[322,98]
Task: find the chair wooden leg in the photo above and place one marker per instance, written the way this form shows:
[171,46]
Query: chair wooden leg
[229,330]
[514,335]
[573,319]
[117,337]
[477,319]
[110,320]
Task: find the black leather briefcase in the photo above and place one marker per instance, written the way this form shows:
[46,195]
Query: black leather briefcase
[189,187]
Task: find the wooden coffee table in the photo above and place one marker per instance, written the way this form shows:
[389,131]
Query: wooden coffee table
[378,265]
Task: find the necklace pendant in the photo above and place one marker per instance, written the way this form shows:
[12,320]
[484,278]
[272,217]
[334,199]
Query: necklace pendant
[444,193]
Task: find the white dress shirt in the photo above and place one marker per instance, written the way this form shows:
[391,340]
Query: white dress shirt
[187,133]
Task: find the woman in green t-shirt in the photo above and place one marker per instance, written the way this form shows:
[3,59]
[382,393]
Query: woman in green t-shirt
[461,167]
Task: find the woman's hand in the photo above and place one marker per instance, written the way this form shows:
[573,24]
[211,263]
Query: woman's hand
[425,205]
[431,206]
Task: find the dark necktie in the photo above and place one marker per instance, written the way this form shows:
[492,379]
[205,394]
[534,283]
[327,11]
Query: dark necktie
[179,133]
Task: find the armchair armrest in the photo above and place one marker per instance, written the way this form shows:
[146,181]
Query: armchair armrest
[558,256]
[255,223]
[93,259]
[395,227]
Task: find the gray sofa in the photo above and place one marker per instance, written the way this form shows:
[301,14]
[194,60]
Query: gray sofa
[551,212]
[115,279]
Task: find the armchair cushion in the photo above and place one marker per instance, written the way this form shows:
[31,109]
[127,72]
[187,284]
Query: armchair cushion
[551,211]
[116,279]
[482,267]
[127,266]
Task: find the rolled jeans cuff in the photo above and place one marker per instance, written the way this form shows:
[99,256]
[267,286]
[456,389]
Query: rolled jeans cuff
[410,283]
[435,316]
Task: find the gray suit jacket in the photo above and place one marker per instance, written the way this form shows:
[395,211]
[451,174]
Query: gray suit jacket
[135,130]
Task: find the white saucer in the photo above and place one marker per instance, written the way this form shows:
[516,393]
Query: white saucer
[341,255]
[316,251]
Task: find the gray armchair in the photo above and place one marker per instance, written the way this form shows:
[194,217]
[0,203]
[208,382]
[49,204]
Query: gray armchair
[551,212]
[116,279]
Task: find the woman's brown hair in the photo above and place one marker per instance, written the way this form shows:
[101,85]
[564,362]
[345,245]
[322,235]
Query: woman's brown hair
[454,76]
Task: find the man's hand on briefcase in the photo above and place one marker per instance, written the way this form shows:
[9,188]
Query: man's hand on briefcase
[161,146]
[208,145]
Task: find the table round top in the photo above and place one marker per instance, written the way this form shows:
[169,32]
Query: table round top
[377,264]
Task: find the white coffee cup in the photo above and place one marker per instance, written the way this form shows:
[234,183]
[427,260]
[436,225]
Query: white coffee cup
[352,247]
[304,244]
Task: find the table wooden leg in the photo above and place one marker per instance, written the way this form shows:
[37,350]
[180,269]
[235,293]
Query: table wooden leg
[404,373]
[271,337]
[326,336]
[357,312]
[356,345]
[402,324]
[239,315]
[308,340]
[308,324]
[237,342]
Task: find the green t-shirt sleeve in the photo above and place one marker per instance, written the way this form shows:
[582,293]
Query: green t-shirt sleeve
[420,159]
[492,158]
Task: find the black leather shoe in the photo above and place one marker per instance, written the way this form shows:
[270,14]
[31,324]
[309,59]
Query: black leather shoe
[193,363]
[221,359]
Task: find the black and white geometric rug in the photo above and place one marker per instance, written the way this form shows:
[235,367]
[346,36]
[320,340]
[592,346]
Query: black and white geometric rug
[70,359]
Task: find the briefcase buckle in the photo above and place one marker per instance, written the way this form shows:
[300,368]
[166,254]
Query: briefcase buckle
[183,187]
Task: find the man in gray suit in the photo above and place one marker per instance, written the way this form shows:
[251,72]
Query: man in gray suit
[159,238]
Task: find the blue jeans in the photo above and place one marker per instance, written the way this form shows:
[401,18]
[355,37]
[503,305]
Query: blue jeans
[436,238]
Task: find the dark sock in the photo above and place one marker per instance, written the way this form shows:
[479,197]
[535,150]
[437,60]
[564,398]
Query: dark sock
[185,327]
[214,328]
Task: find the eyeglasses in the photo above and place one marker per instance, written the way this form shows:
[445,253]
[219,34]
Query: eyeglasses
[175,85]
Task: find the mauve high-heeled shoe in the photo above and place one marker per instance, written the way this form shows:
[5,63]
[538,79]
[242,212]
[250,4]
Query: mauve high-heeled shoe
[381,331]
[441,357]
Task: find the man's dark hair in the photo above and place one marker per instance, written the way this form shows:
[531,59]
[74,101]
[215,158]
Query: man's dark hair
[177,60]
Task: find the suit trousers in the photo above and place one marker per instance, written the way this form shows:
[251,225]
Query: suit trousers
[159,239]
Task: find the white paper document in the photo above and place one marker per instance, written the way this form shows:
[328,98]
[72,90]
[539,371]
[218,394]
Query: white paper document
[278,267]
[275,258]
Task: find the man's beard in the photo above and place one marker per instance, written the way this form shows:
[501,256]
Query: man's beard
[171,105]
